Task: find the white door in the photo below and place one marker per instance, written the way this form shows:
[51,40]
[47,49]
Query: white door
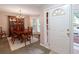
[59,26]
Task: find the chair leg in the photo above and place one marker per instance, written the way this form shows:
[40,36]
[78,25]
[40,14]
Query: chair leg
[0,36]
[30,41]
[25,42]
[13,39]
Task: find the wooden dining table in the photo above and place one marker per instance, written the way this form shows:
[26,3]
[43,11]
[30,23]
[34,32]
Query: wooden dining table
[19,34]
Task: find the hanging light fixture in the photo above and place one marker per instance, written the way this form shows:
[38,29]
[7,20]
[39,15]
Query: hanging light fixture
[20,15]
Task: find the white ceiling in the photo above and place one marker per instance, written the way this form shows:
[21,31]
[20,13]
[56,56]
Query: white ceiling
[26,9]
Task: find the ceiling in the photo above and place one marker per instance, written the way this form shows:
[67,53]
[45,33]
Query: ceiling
[26,9]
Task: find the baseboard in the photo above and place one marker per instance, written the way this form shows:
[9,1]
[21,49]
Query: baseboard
[49,49]
[44,46]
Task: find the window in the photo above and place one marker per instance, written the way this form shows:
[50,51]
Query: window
[36,24]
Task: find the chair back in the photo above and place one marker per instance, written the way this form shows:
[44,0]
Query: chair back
[0,29]
[30,30]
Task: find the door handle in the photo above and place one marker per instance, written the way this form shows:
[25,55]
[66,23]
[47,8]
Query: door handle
[68,34]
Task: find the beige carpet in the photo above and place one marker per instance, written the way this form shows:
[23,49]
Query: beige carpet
[18,45]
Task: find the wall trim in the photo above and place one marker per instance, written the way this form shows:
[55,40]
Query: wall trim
[45,46]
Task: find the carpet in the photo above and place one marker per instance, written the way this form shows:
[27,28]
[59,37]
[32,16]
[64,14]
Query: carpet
[18,45]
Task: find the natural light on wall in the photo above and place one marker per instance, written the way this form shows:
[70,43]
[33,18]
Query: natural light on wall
[58,12]
[36,24]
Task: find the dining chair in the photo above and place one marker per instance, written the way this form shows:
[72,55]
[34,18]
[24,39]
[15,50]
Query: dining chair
[0,29]
[13,36]
[0,32]
[30,34]
[4,36]
[24,38]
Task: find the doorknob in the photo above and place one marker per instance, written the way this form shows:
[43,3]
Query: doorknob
[68,30]
[68,33]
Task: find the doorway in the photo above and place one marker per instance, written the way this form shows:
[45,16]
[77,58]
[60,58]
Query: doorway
[35,23]
[76,32]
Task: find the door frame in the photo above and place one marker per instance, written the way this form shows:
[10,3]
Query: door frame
[71,31]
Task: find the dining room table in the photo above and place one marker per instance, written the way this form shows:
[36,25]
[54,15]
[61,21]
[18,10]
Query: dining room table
[20,33]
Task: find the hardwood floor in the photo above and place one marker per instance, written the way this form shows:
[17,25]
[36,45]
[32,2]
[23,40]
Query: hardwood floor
[4,46]
[34,48]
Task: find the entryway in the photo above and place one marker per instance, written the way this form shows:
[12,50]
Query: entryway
[75,18]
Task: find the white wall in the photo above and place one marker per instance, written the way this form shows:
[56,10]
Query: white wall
[4,22]
[27,21]
[75,6]
[42,28]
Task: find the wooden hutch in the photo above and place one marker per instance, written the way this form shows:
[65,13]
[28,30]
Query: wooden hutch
[15,24]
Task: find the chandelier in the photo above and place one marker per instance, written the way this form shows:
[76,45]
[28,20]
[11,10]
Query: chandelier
[20,15]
